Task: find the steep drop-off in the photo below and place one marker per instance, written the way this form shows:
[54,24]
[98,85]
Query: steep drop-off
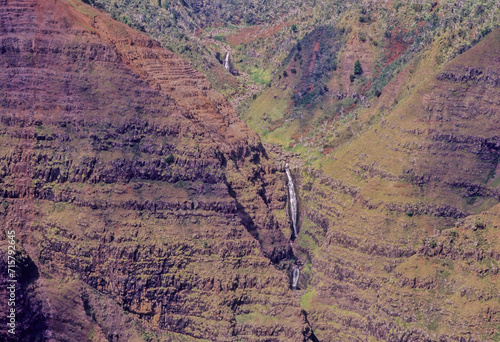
[400,224]
[144,209]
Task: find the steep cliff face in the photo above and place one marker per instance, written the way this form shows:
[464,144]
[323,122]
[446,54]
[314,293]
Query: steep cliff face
[400,226]
[144,208]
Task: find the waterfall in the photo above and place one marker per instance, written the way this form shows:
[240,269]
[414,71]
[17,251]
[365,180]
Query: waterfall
[226,64]
[295,277]
[293,200]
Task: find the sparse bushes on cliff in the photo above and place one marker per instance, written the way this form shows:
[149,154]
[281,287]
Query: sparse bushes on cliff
[358,70]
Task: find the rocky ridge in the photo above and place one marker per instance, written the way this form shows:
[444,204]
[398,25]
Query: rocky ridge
[151,206]
[399,229]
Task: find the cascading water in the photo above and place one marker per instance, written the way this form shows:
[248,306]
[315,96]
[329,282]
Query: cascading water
[226,64]
[293,200]
[295,277]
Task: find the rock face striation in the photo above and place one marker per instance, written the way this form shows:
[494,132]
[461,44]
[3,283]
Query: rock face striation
[144,209]
[402,233]
[142,204]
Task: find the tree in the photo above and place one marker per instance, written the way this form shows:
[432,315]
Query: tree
[294,28]
[357,68]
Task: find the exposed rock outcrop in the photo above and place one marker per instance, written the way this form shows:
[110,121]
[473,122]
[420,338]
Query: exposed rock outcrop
[146,193]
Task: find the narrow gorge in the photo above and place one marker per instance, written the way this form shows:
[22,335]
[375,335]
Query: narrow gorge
[186,171]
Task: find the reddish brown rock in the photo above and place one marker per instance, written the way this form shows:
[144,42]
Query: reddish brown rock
[144,202]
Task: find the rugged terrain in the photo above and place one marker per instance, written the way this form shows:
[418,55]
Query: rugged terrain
[147,210]
[401,228]
[142,204]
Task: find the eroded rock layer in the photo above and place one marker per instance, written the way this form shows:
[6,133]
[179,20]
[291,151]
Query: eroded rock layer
[402,233]
[142,204]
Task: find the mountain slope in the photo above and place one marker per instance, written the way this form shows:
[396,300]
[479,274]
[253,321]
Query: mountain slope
[146,210]
[400,224]
[143,206]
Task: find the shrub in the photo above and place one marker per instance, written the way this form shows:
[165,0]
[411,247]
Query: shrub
[352,77]
[479,224]
[170,159]
[364,19]
[294,28]
[358,70]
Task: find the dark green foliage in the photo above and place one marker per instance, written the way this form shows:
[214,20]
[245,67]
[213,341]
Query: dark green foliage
[170,159]
[378,93]
[304,100]
[285,74]
[220,38]
[352,77]
[358,70]
[479,224]
[294,28]
[364,17]
[180,184]
[485,31]
[293,70]
[218,57]
[331,63]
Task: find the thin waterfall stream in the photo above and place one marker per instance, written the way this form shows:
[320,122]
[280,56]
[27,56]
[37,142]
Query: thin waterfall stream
[227,65]
[295,277]
[293,200]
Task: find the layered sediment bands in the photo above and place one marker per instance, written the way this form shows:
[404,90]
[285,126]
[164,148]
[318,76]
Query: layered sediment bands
[130,180]
[164,71]
[29,317]
[402,233]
